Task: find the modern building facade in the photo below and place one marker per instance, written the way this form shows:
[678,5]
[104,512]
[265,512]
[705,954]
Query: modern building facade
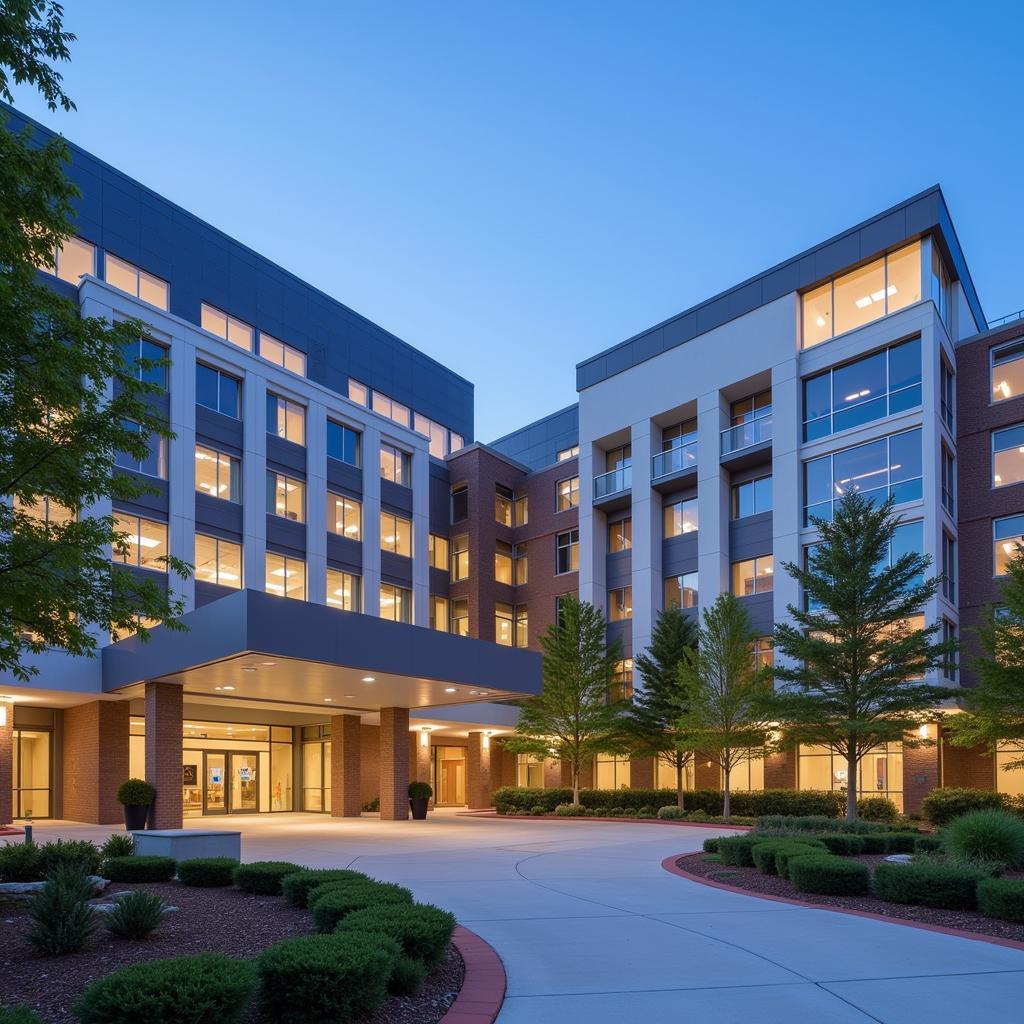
[371,582]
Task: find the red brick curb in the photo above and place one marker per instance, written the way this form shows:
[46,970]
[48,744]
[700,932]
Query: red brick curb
[670,865]
[5,831]
[483,988]
[618,821]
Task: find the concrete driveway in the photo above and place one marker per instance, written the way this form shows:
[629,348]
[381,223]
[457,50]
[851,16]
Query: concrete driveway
[591,928]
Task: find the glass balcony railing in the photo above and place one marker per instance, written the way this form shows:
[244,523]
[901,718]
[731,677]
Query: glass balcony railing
[620,479]
[744,435]
[675,460]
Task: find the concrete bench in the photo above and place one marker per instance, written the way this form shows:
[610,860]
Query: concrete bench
[187,843]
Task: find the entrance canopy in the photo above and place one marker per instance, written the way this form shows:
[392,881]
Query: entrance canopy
[252,646]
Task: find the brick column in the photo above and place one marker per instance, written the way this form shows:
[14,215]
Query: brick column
[346,791]
[503,766]
[920,772]
[6,762]
[420,766]
[780,770]
[95,760]
[968,767]
[641,773]
[394,764]
[552,774]
[478,770]
[164,711]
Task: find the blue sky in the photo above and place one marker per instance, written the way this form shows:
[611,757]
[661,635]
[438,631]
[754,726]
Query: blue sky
[512,187]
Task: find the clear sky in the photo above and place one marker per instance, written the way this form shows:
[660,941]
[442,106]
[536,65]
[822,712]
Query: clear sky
[514,186]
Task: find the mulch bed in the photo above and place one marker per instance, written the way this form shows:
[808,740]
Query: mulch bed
[751,880]
[208,920]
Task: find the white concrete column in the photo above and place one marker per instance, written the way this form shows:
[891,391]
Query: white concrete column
[421,537]
[787,483]
[646,553]
[181,465]
[254,480]
[371,520]
[316,503]
[593,530]
[712,500]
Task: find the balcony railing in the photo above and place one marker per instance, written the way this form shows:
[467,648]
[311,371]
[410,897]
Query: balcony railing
[744,435]
[620,479]
[675,460]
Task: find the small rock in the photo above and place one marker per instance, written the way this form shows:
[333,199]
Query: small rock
[103,908]
[899,858]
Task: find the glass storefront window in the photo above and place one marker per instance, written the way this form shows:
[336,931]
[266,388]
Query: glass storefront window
[611,772]
[880,771]
[1010,782]
[1008,456]
[31,760]
[529,771]
[1008,372]
[665,777]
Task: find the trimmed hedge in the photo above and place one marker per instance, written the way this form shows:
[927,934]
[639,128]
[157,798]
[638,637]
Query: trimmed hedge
[19,1015]
[207,872]
[877,808]
[140,869]
[738,850]
[297,886]
[208,988]
[764,854]
[819,823]
[710,845]
[264,876]
[34,862]
[927,844]
[1003,898]
[942,805]
[346,898]
[899,842]
[828,875]
[928,884]
[843,844]
[423,931]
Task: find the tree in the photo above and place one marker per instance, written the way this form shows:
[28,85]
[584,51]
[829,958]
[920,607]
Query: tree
[70,400]
[725,694]
[572,718]
[856,657]
[651,721]
[994,708]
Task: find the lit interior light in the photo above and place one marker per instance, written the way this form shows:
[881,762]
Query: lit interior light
[922,731]
[820,321]
[328,700]
[1004,388]
[449,689]
[145,542]
[248,668]
[369,679]
[999,479]
[857,394]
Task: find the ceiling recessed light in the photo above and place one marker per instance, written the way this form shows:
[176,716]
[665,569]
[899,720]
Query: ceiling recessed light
[449,689]
[227,687]
[268,662]
[328,699]
[369,679]
[349,696]
[472,693]
[484,693]
[249,668]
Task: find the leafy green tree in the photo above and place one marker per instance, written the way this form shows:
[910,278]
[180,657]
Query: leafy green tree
[725,693]
[573,718]
[651,720]
[855,658]
[70,400]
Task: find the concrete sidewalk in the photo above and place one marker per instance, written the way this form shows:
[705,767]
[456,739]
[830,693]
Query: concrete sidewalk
[591,928]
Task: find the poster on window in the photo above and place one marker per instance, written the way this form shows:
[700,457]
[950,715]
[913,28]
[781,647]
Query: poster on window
[190,775]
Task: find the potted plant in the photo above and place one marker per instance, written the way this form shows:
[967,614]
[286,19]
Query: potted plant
[419,796]
[136,796]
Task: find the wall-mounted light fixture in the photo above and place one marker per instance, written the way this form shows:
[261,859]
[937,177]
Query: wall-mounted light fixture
[424,735]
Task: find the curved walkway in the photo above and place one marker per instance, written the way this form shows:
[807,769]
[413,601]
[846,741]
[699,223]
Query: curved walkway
[591,929]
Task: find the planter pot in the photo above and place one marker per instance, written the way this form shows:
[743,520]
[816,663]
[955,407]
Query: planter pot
[418,807]
[135,817]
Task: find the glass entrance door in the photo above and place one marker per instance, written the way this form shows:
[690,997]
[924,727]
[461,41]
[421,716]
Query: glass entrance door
[215,798]
[450,775]
[31,776]
[244,791]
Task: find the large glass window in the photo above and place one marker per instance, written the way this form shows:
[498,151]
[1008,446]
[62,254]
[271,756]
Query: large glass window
[503,624]
[218,561]
[146,542]
[142,350]
[31,761]
[948,568]
[155,462]
[1010,782]
[680,517]
[611,772]
[439,618]
[620,604]
[763,653]
[358,393]
[72,260]
[529,771]
[520,565]
[871,388]
[947,394]
[1008,456]
[522,509]
[752,497]
[753,576]
[437,549]
[286,497]
[395,603]
[889,466]
[567,493]
[460,616]
[285,576]
[567,552]
[522,626]
[395,465]
[460,557]
[678,449]
[942,291]
[217,390]
[622,681]
[681,590]
[620,535]
[344,516]
[286,419]
[396,534]
[1007,538]
[1008,372]
[225,326]
[344,590]
[122,274]
[948,482]
[880,772]
[394,411]
[460,502]
[342,443]
[568,453]
[503,505]
[217,474]
[503,562]
[284,355]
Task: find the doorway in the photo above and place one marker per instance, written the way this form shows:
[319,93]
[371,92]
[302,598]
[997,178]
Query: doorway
[450,776]
[220,782]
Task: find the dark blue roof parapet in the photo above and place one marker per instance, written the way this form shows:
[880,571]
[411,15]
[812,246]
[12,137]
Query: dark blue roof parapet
[537,445]
[926,212]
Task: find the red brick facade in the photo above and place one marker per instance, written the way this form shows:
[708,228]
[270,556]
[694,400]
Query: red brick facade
[164,718]
[346,763]
[394,764]
[921,774]
[479,784]
[968,767]
[95,760]
[6,762]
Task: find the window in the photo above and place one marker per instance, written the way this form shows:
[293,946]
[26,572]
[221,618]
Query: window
[568,453]
[285,576]
[394,465]
[941,286]
[889,466]
[620,604]
[568,493]
[460,503]
[344,590]
[437,548]
[142,350]
[618,458]
[503,624]
[72,260]
[622,681]
[278,352]
[1008,456]
[611,772]
[948,482]
[567,552]
[681,591]
[678,449]
[121,274]
[752,497]
[753,576]
[344,516]
[217,390]
[218,561]
[455,441]
[286,419]
[437,433]
[880,772]
[879,385]
[216,474]
[680,517]
[948,568]
[460,558]
[947,395]
[860,296]
[146,542]
[396,534]
[393,410]
[950,668]
[620,535]
[560,609]
[756,407]
[503,505]
[1008,536]
[358,393]
[1008,372]
[679,434]
[529,771]
[502,562]
[46,509]
[395,603]
[763,653]
[227,327]
[342,443]
[460,616]
[522,634]
[439,613]
[155,462]
[286,497]
[522,510]
[907,539]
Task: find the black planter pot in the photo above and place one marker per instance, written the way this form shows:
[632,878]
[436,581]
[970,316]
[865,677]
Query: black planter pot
[418,806]
[135,817]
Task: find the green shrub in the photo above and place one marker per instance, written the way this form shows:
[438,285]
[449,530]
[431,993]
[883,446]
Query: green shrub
[899,842]
[572,811]
[843,844]
[764,853]
[537,810]
[120,844]
[297,886]
[928,884]
[420,791]
[62,919]
[927,844]
[136,915]
[345,898]
[20,862]
[264,876]
[140,869]
[407,976]
[207,988]
[19,1015]
[423,931]
[372,805]
[74,853]
[819,823]
[829,875]
[874,842]
[738,850]
[941,806]
[135,793]
[318,979]
[1002,897]
[877,808]
[785,854]
[710,845]
[992,835]
[207,872]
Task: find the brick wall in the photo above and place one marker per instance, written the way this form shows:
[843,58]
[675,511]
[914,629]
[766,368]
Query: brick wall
[346,767]
[479,784]
[394,764]
[163,752]
[921,773]
[780,770]
[369,763]
[95,760]
[967,767]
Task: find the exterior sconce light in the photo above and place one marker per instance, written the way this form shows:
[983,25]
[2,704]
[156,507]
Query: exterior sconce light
[425,736]
[922,731]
